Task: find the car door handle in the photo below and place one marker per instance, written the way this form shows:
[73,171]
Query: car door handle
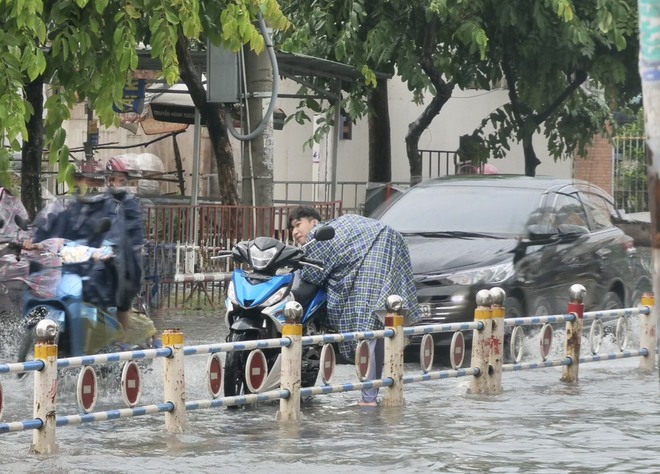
[602,253]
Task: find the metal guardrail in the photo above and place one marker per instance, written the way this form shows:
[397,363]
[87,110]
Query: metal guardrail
[487,364]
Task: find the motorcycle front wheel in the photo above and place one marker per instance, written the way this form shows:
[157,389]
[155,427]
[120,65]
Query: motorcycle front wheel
[234,377]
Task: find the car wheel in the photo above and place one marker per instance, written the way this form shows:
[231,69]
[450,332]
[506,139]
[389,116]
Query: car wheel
[513,308]
[541,307]
[611,301]
[636,298]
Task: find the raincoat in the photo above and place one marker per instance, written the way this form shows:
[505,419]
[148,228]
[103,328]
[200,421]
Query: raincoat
[364,263]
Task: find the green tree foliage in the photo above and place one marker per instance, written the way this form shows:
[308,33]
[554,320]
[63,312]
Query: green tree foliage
[86,51]
[565,64]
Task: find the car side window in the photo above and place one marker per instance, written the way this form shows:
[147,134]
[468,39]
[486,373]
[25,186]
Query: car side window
[558,208]
[569,210]
[600,209]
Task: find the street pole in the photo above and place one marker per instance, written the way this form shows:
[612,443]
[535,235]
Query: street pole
[649,71]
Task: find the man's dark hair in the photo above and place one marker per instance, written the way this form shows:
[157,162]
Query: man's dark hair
[301,212]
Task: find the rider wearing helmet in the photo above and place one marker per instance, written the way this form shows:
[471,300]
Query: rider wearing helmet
[131,244]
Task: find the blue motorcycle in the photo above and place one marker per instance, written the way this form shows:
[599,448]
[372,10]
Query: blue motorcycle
[78,285]
[255,306]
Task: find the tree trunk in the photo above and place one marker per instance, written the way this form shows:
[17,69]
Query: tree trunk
[33,149]
[380,146]
[215,124]
[179,166]
[531,160]
[416,128]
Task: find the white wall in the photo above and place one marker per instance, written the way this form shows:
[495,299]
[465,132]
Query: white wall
[293,162]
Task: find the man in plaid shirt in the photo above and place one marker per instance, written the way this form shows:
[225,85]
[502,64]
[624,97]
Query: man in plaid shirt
[364,263]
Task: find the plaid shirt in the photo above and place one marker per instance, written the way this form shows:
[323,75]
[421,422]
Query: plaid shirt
[364,263]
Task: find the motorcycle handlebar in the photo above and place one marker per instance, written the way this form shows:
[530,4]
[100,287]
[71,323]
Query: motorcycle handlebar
[313,262]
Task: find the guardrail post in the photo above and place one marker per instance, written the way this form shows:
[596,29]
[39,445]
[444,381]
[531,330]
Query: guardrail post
[497,341]
[574,333]
[649,333]
[394,345]
[45,388]
[175,382]
[290,374]
[481,343]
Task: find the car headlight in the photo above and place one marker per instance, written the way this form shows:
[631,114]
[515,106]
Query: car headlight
[261,258]
[231,293]
[492,274]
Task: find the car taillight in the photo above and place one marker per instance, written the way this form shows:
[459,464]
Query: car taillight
[629,246]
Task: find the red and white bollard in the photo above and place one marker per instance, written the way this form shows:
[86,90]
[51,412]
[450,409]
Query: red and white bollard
[648,336]
[496,356]
[45,387]
[290,374]
[175,382]
[394,346]
[481,341]
[573,343]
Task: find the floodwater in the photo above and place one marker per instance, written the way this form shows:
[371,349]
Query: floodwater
[609,422]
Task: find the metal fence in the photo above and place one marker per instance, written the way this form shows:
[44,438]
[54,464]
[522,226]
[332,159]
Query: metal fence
[630,180]
[183,239]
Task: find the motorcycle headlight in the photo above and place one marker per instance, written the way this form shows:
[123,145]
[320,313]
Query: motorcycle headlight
[261,258]
[231,293]
[275,297]
[492,274]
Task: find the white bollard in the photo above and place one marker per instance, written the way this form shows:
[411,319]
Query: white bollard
[45,388]
[394,346]
[648,336]
[175,382]
[573,343]
[290,374]
[496,356]
[481,340]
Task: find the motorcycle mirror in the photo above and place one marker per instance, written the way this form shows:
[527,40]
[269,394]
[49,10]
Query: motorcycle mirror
[325,232]
[21,222]
[102,226]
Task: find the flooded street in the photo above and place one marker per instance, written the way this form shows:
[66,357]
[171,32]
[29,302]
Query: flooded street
[609,422]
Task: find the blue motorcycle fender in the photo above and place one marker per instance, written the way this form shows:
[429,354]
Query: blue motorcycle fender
[317,302]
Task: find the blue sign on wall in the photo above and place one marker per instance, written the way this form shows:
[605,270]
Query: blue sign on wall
[133,100]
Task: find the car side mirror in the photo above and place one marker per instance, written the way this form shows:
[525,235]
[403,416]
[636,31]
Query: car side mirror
[571,232]
[542,234]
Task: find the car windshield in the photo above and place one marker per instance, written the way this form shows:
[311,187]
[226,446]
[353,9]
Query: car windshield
[463,210]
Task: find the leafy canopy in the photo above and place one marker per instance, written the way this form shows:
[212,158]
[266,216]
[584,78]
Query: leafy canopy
[87,52]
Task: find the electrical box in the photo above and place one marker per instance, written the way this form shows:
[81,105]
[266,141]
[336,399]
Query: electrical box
[223,75]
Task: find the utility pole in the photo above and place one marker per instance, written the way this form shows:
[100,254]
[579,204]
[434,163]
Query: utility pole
[257,165]
[649,71]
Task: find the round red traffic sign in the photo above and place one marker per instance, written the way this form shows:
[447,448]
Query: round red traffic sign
[87,389]
[214,374]
[426,352]
[328,363]
[256,371]
[546,340]
[131,383]
[362,360]
[457,349]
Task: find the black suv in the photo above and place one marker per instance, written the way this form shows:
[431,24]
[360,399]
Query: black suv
[534,237]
